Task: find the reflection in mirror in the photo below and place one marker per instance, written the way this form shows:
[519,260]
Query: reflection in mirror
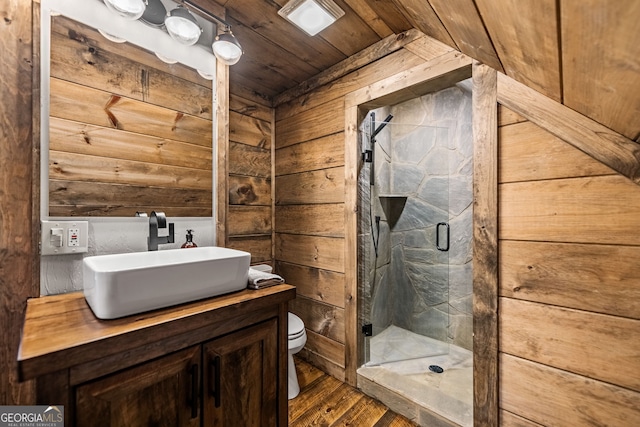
[127,132]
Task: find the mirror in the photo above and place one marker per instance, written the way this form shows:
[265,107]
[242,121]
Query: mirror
[123,131]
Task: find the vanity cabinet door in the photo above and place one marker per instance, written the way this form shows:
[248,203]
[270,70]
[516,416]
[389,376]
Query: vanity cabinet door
[241,378]
[163,392]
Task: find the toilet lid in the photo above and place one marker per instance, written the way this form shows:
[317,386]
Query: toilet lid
[296,325]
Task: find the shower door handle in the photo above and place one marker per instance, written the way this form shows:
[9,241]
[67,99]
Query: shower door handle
[440,248]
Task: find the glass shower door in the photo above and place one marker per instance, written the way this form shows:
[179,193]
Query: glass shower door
[408,269]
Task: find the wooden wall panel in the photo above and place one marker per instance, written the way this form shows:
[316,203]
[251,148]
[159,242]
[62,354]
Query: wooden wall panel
[258,246]
[568,269]
[328,348]
[245,190]
[75,102]
[82,138]
[320,121]
[508,117]
[248,160]
[321,153]
[249,130]
[614,150]
[313,251]
[249,216]
[553,397]
[580,210]
[525,36]
[101,199]
[531,153]
[314,283]
[251,108]
[249,220]
[80,167]
[557,337]
[320,220]
[323,319]
[600,61]
[599,278]
[322,186]
[507,419]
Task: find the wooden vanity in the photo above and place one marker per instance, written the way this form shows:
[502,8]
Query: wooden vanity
[215,362]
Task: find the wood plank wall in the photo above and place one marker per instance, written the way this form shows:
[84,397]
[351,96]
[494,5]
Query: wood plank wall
[569,283]
[310,202]
[249,214]
[127,131]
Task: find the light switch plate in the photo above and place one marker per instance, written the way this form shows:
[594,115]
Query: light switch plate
[75,237]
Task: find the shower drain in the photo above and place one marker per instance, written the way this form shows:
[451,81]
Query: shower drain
[437,369]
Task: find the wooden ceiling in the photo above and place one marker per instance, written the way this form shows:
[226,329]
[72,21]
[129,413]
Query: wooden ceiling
[583,53]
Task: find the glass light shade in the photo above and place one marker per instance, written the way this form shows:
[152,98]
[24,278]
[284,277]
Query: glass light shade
[205,75]
[226,48]
[312,16]
[165,59]
[111,37]
[182,26]
[130,9]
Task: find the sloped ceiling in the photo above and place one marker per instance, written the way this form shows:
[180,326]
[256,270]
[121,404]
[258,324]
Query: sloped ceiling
[583,53]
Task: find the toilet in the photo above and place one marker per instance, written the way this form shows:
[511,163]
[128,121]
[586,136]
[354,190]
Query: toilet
[297,340]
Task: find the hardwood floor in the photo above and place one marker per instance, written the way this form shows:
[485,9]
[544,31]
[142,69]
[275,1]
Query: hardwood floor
[325,401]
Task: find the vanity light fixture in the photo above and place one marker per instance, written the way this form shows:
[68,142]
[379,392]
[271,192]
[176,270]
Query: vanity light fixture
[154,14]
[225,46]
[182,26]
[312,16]
[130,9]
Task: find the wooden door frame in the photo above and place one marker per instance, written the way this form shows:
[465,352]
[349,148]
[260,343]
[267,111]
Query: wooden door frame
[439,73]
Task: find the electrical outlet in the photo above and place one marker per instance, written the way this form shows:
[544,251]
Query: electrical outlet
[74,237]
[64,237]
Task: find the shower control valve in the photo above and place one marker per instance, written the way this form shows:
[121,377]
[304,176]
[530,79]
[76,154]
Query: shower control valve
[367,156]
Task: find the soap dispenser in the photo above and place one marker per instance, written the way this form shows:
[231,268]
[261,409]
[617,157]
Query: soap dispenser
[189,243]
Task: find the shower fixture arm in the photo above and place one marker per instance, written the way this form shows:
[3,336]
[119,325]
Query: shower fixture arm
[369,155]
[379,129]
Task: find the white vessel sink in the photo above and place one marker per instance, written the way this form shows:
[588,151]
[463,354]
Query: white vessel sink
[124,284]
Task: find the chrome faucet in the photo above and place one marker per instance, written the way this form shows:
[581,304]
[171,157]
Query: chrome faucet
[158,220]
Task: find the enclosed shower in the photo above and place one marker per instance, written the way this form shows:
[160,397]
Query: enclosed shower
[415,277]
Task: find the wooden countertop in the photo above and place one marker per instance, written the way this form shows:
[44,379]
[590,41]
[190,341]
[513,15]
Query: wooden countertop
[61,331]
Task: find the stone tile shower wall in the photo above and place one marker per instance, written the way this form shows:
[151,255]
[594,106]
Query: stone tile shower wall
[411,284]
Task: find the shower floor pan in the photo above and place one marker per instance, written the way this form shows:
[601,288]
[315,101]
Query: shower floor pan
[410,388]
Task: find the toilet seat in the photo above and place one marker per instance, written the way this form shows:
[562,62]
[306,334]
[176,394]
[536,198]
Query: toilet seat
[296,326]
[296,336]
